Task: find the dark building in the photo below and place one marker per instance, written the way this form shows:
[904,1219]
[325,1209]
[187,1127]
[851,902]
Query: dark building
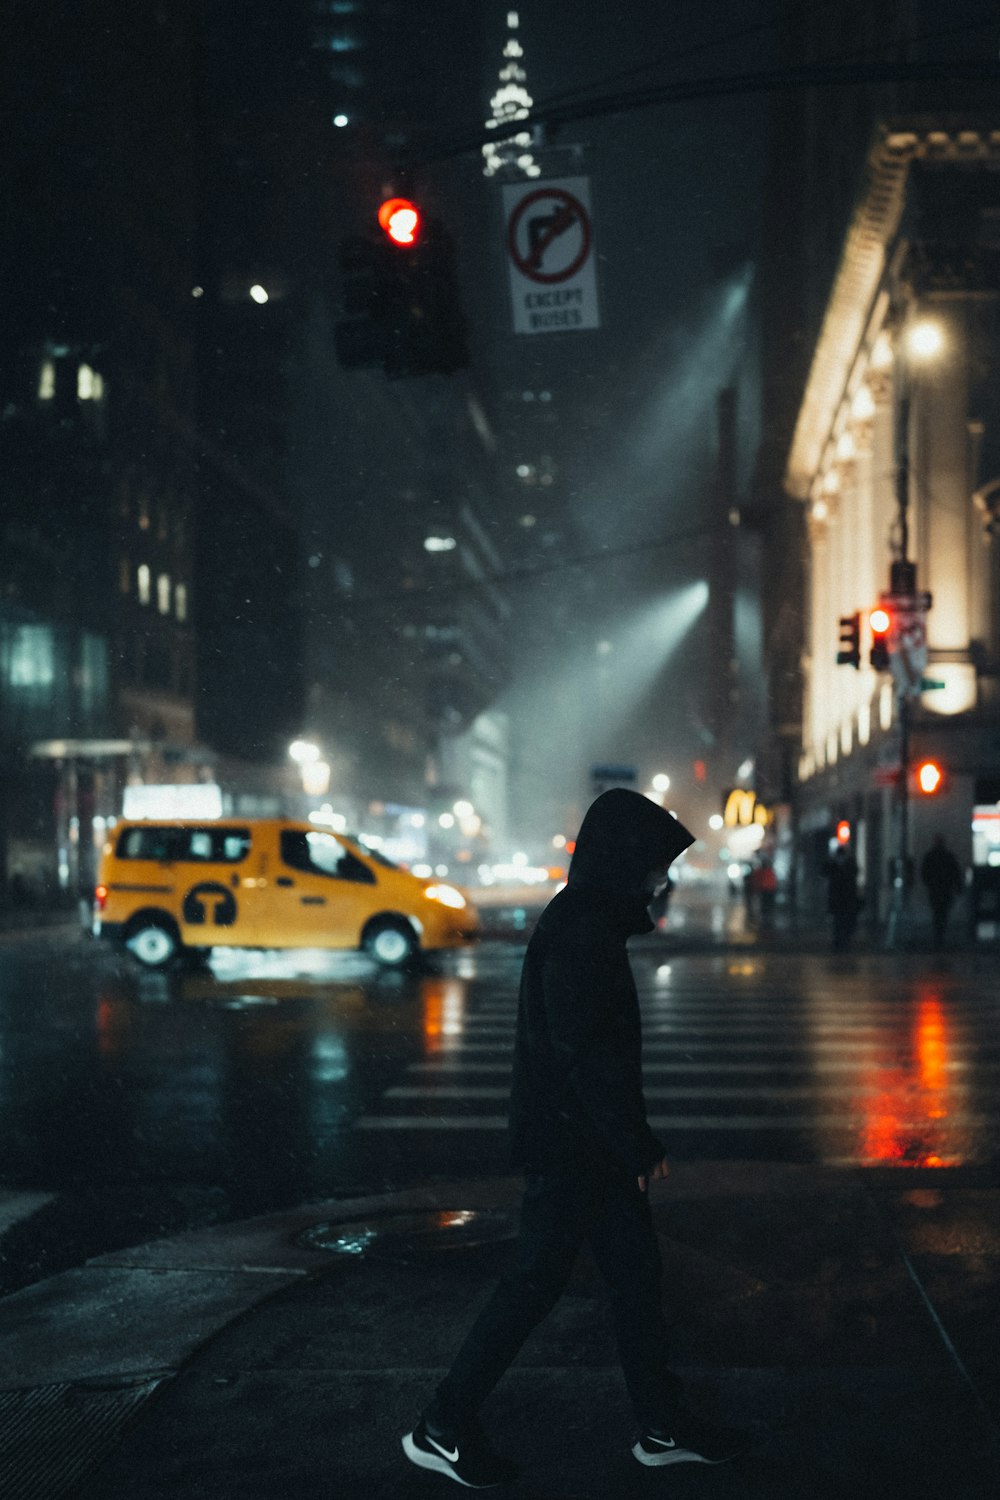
[97,365]
[397,478]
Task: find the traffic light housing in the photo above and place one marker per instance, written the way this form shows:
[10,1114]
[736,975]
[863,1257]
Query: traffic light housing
[880,655]
[849,654]
[401,297]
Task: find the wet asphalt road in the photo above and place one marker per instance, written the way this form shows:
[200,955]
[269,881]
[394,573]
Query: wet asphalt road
[143,1104]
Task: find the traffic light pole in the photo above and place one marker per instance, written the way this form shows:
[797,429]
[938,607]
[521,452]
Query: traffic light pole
[900,873]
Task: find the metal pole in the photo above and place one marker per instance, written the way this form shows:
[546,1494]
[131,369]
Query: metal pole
[897,911]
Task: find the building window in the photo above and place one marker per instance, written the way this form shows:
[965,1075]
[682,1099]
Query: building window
[47,380]
[89,385]
[143,514]
[30,656]
[142,581]
[163,593]
[181,601]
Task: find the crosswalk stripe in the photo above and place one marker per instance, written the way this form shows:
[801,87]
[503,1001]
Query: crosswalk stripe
[748,1093]
[716,1123]
[804,1047]
[650,1070]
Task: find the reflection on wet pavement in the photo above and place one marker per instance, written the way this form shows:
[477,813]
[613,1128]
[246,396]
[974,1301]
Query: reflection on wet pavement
[282,1077]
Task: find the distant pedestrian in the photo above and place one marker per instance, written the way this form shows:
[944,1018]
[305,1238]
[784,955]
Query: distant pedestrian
[579,1133]
[767,892]
[942,874]
[842,895]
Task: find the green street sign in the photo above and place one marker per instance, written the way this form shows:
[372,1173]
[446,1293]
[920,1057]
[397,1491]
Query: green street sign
[928,684]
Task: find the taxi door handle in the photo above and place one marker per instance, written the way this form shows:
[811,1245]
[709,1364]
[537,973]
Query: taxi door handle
[284,880]
[313,900]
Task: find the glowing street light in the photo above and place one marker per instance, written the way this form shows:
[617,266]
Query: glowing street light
[303,752]
[925,340]
[661,782]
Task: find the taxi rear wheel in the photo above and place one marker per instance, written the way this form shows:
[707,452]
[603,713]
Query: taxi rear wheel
[390,943]
[152,941]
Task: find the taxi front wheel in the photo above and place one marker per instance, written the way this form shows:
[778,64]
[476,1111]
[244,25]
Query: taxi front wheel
[392,944]
[152,942]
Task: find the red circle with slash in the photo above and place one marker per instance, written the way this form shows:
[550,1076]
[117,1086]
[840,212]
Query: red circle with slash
[571,209]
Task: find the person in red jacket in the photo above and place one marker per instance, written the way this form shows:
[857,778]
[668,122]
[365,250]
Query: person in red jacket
[578,1132]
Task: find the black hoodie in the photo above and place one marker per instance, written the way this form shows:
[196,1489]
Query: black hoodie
[576,1097]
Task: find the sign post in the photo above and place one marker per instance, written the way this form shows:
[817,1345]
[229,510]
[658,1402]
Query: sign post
[550,256]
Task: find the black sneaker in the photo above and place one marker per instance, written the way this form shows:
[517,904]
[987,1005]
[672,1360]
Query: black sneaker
[465,1456]
[688,1440]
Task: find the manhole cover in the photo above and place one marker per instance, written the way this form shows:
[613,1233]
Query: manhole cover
[402,1234]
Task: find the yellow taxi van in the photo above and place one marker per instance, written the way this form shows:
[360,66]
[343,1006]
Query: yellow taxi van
[169,888]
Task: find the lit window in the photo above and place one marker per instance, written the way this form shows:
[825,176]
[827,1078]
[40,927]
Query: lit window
[143,514]
[181,601]
[142,583]
[98,387]
[885,705]
[31,661]
[85,383]
[47,380]
[439,543]
[163,593]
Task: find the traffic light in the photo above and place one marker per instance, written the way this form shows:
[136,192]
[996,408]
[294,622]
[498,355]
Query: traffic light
[849,654]
[366,269]
[930,778]
[400,291]
[880,655]
[843,831]
[401,220]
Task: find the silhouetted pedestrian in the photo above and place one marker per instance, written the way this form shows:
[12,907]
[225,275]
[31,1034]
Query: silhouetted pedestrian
[842,895]
[942,874]
[579,1133]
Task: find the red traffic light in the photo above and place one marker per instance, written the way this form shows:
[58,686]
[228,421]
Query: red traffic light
[843,832]
[880,621]
[930,777]
[401,220]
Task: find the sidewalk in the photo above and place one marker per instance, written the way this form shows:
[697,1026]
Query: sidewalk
[849,1320]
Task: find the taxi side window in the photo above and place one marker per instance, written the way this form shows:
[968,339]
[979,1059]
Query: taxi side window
[322,854]
[192,845]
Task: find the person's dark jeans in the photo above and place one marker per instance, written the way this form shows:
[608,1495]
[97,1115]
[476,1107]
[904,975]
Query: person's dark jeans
[558,1212]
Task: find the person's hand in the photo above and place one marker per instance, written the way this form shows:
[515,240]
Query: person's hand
[660,1169]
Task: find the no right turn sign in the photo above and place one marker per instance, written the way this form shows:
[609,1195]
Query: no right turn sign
[550,256]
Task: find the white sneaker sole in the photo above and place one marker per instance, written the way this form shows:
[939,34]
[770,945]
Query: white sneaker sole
[672,1456]
[438,1465]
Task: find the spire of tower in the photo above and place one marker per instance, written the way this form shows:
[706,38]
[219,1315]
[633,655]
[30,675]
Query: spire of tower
[511,102]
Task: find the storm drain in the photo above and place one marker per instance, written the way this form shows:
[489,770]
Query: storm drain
[53,1436]
[395,1236]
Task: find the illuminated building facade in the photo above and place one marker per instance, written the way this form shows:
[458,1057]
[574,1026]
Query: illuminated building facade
[900,404]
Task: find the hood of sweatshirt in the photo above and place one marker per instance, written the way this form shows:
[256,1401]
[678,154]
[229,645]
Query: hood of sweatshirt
[622,839]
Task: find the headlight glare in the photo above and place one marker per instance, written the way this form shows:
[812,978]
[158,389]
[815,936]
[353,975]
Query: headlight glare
[447,895]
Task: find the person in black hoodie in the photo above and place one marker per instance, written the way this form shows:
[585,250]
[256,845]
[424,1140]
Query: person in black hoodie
[578,1132]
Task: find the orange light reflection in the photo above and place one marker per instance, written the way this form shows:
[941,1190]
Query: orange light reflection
[906,1116]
